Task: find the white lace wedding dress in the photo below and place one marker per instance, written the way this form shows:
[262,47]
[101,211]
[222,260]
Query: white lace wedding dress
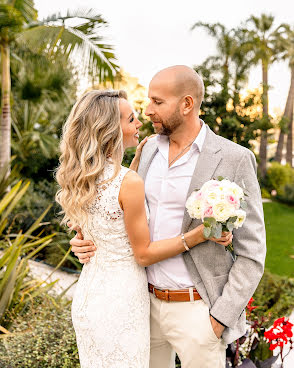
[110,308]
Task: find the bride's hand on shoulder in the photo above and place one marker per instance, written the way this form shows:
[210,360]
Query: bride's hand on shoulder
[142,144]
[135,162]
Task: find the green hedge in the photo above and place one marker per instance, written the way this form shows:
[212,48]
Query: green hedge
[44,338]
[274,296]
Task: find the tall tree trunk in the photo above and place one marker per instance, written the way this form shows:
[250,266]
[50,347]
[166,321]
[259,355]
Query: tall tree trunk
[263,137]
[287,114]
[5,125]
[289,154]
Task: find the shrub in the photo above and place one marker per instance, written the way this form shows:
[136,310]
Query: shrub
[274,296]
[42,337]
[265,193]
[17,250]
[278,176]
[288,194]
[37,198]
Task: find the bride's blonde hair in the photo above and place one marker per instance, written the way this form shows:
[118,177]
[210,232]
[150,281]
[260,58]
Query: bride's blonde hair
[91,134]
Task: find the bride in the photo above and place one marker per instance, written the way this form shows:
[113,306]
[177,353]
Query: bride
[110,308]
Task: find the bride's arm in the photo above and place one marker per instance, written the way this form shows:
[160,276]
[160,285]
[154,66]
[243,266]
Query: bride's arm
[132,197]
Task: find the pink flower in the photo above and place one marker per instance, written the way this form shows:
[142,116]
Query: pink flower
[208,212]
[198,195]
[234,201]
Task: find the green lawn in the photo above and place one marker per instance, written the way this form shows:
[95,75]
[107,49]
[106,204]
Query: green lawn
[279,222]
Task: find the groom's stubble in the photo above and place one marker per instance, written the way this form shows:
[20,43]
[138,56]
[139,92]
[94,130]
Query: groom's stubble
[170,124]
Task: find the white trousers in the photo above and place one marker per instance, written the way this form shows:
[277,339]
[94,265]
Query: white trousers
[184,328]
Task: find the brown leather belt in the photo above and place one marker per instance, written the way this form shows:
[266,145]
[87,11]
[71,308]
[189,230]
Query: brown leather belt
[182,295]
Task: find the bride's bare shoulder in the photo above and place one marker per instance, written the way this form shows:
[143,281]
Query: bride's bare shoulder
[132,190]
[132,179]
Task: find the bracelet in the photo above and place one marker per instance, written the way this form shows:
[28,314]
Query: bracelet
[185,243]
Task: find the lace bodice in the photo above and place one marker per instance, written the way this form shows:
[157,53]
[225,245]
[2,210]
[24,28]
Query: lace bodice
[106,219]
[106,225]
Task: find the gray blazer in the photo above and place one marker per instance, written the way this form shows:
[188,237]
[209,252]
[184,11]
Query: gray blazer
[224,285]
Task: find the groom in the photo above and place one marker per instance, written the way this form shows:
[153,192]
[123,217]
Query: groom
[184,155]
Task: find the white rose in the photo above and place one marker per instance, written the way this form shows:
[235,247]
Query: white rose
[236,191]
[209,185]
[213,196]
[223,211]
[241,218]
[224,187]
[194,207]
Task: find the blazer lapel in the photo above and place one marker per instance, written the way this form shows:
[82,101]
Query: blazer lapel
[146,160]
[208,160]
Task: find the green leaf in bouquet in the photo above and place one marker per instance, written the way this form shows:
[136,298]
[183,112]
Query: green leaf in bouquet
[243,204]
[207,232]
[212,234]
[210,220]
[233,219]
[230,226]
[217,230]
[220,178]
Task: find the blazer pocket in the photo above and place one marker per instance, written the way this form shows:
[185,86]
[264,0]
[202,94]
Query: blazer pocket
[217,285]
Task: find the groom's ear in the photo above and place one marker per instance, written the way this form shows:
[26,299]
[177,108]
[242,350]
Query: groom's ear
[188,104]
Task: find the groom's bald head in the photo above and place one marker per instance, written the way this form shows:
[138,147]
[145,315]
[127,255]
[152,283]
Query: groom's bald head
[181,81]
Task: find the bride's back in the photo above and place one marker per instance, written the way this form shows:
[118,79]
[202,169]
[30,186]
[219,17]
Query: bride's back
[105,225]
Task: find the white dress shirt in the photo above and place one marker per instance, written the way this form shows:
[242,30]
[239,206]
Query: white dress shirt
[166,193]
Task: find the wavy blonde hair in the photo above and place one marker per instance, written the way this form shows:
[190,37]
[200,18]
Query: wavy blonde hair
[91,134]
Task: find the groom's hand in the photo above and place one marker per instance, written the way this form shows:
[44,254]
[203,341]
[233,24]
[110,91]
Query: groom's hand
[83,249]
[217,327]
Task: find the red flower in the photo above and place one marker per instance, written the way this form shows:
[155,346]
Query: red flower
[273,346]
[249,305]
[279,321]
[279,334]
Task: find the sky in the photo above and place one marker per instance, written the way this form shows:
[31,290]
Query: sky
[151,35]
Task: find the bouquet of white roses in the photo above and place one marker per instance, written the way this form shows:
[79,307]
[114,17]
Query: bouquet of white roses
[221,205]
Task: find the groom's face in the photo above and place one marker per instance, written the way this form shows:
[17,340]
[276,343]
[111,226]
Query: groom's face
[164,107]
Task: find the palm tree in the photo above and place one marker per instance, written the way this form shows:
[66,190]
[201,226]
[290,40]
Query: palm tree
[18,23]
[13,16]
[263,42]
[287,120]
[225,74]
[288,113]
[226,49]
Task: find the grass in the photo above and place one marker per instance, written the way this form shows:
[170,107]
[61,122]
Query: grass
[279,223]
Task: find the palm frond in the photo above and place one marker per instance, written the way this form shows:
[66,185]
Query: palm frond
[87,14]
[212,29]
[10,18]
[26,9]
[83,43]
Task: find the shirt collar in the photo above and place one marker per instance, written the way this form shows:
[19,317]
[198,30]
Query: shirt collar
[199,141]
